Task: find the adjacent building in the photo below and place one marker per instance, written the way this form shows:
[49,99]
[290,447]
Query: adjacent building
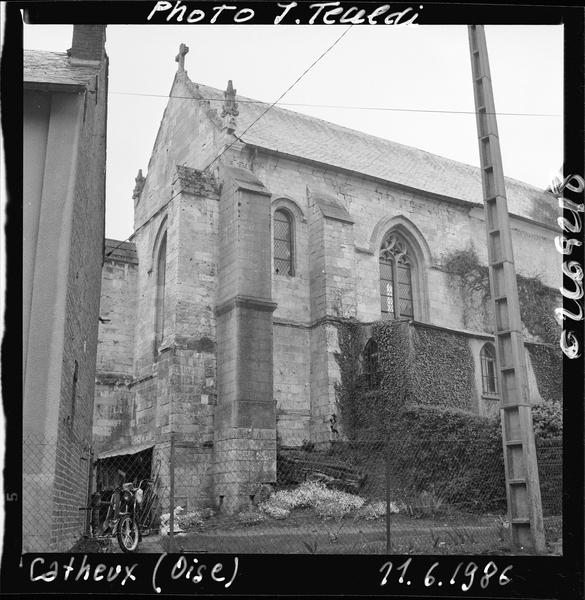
[64,162]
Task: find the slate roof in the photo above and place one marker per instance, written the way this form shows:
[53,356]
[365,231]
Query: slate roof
[121,251]
[40,66]
[299,135]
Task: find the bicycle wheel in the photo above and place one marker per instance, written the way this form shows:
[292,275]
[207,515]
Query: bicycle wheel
[128,534]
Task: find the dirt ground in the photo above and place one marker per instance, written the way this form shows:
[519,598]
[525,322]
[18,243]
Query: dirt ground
[307,534]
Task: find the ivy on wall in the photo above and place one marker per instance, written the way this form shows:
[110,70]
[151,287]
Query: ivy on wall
[537,304]
[347,389]
[443,369]
[537,301]
[417,364]
[548,370]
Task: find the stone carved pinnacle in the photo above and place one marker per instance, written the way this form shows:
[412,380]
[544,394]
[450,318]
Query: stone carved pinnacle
[229,111]
[180,58]
[140,179]
[230,106]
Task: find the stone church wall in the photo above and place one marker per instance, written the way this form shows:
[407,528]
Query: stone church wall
[219,295]
[114,368]
[342,278]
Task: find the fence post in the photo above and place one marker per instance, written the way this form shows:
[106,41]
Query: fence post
[388,544]
[172,495]
[89,511]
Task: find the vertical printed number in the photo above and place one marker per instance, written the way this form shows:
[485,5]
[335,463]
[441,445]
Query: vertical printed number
[429,579]
[388,566]
[469,572]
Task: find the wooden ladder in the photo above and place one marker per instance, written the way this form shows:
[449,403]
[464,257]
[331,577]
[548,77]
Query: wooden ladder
[522,485]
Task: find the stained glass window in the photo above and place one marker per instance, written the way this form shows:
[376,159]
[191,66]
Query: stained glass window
[395,278]
[283,243]
[161,267]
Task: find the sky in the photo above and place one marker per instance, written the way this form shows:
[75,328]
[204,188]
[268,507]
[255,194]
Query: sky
[414,69]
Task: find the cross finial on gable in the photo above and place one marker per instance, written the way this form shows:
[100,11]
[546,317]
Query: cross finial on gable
[180,58]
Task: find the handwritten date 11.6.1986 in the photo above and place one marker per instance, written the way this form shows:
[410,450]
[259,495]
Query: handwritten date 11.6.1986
[464,575]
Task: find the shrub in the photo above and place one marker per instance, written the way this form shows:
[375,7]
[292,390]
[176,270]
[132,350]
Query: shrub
[426,505]
[190,520]
[547,418]
[326,503]
[376,509]
[250,516]
[274,511]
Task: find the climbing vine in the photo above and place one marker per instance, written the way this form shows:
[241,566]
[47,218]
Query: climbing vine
[348,389]
[443,369]
[537,301]
[548,370]
[417,364]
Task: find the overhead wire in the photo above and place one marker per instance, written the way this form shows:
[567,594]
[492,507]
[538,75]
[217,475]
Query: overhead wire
[160,209]
[290,87]
[351,107]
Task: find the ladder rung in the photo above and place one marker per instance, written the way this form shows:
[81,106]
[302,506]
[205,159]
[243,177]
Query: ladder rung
[491,198]
[497,263]
[494,231]
[500,298]
[481,108]
[521,521]
[479,78]
[485,137]
[476,51]
[517,481]
[514,443]
[503,332]
[508,368]
[488,168]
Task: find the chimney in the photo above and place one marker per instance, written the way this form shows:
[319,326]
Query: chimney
[88,44]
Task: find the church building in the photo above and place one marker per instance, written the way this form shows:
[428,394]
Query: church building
[257,230]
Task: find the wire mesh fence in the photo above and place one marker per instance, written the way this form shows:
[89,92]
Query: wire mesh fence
[55,484]
[399,495]
[373,496]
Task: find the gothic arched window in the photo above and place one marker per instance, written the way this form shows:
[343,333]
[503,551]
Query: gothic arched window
[161,267]
[395,278]
[283,243]
[371,367]
[489,378]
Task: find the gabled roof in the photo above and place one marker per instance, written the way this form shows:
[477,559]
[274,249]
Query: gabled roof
[42,67]
[298,135]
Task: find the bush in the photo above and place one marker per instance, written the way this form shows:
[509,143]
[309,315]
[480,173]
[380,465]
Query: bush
[250,516]
[326,503]
[547,418]
[459,456]
[375,510]
[274,511]
[454,454]
[190,520]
